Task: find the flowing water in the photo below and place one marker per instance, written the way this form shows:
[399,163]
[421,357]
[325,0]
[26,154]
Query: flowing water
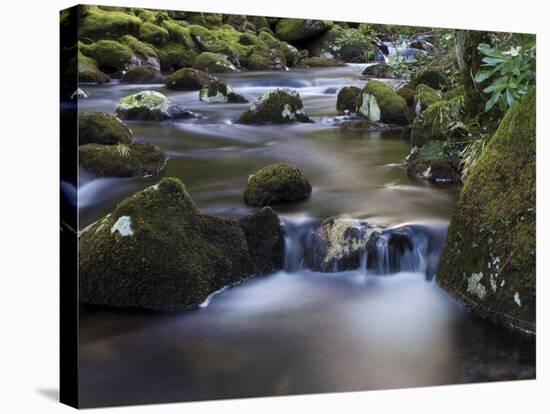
[295,331]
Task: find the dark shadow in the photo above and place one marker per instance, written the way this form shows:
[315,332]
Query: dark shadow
[50,393]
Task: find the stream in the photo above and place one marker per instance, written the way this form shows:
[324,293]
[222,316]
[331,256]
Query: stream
[295,331]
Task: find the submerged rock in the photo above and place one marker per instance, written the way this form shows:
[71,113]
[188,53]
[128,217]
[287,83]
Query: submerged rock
[141,75]
[188,79]
[265,240]
[214,63]
[347,98]
[489,260]
[392,107]
[436,161]
[279,106]
[157,250]
[122,160]
[220,92]
[274,184]
[102,128]
[150,106]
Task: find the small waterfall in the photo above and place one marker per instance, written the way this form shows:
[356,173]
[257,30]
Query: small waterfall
[411,247]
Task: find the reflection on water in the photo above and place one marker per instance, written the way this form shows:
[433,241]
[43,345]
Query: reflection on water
[287,332]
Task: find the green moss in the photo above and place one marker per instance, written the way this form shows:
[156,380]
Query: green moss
[408,92]
[99,24]
[208,20]
[493,228]
[213,63]
[299,30]
[436,161]
[260,22]
[440,121]
[277,183]
[149,106]
[179,33]
[142,75]
[347,98]
[268,53]
[279,106]
[187,79]
[209,41]
[102,128]
[393,107]
[111,56]
[326,44]
[88,71]
[138,47]
[174,56]
[121,160]
[157,250]
[151,33]
[433,78]
[425,96]
[319,62]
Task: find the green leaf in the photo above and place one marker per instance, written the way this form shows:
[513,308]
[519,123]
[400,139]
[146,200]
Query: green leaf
[492,101]
[483,75]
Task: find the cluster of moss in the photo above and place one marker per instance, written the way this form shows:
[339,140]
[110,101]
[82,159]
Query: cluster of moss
[489,257]
[424,97]
[141,75]
[436,161]
[300,30]
[279,106]
[213,63]
[157,250]
[347,98]
[319,62]
[393,108]
[102,128]
[188,79]
[277,183]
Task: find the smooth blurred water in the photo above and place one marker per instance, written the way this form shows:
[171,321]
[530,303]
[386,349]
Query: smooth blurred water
[296,331]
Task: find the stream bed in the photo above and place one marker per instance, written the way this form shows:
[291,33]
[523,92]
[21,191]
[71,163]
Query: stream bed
[294,331]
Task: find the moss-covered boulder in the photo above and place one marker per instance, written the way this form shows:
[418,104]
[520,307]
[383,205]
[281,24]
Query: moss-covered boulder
[265,240]
[111,56]
[436,161]
[88,72]
[392,107]
[213,63]
[208,20]
[209,41]
[157,250]
[299,30]
[102,128]
[274,184]
[98,24]
[122,160]
[433,78]
[279,106]
[188,79]
[326,44]
[150,106]
[347,98]
[267,53]
[142,75]
[153,34]
[174,56]
[441,120]
[220,92]
[319,62]
[489,260]
[145,53]
[377,70]
[424,97]
[337,245]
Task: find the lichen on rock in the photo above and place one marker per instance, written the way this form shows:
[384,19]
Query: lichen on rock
[393,108]
[279,106]
[220,92]
[150,106]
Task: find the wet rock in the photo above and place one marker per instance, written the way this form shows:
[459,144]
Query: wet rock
[299,30]
[347,98]
[436,161]
[174,56]
[102,128]
[392,107]
[489,260]
[265,240]
[188,79]
[377,70]
[111,56]
[146,54]
[268,53]
[156,250]
[213,63]
[122,160]
[142,75]
[274,184]
[408,92]
[433,78]
[150,106]
[220,92]
[279,106]
[153,34]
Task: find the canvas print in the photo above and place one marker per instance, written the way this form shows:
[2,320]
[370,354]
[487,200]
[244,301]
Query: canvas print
[260,206]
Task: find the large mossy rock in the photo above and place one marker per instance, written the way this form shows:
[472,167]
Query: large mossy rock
[268,53]
[433,78]
[98,24]
[489,258]
[319,62]
[157,250]
[102,128]
[111,56]
[213,63]
[146,54]
[345,44]
[122,160]
[299,30]
[153,34]
[377,70]
[188,79]
[220,92]
[276,183]
[174,56]
[88,72]
[150,106]
[279,106]
[347,98]
[142,75]
[436,161]
[424,97]
[393,108]
[265,239]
